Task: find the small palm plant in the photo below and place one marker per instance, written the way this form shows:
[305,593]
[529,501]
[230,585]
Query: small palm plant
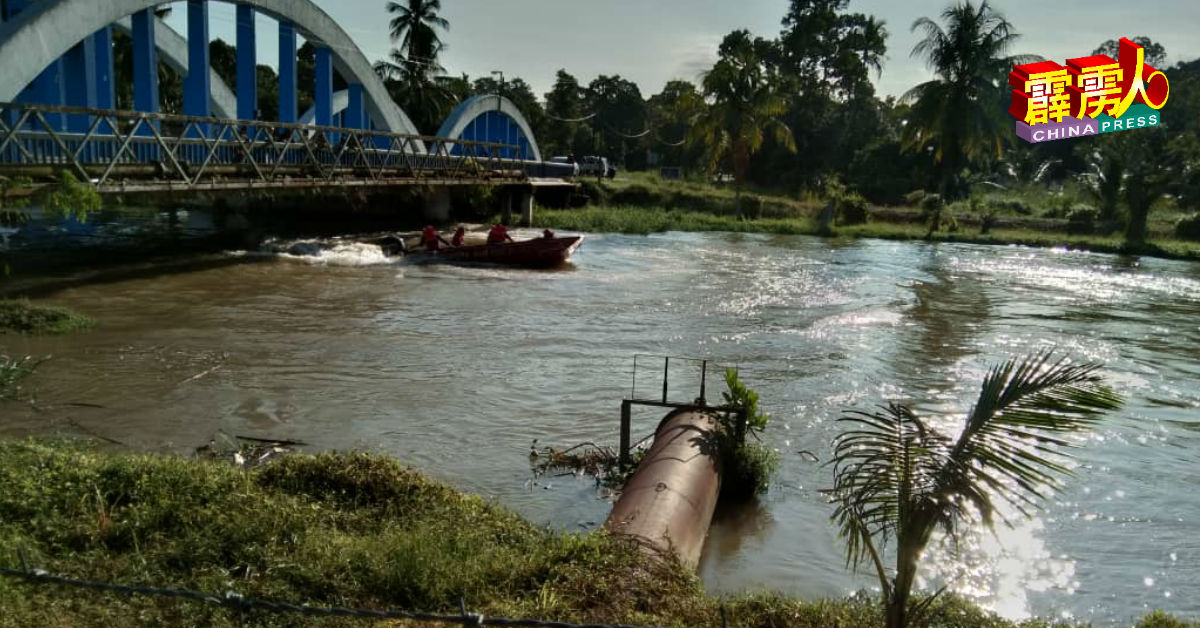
[897,480]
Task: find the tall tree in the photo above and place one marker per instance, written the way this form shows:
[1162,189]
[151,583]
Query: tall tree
[567,130]
[827,49]
[1155,53]
[223,59]
[744,102]
[898,480]
[415,26]
[620,120]
[412,72]
[671,113]
[958,117]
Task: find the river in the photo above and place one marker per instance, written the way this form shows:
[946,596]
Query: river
[457,370]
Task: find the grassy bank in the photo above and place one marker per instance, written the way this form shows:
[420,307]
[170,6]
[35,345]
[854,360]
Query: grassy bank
[349,529]
[641,204]
[19,316]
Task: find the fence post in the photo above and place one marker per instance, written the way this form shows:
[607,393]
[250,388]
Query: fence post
[703,380]
[623,460]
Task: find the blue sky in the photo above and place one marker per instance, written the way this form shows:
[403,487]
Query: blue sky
[653,41]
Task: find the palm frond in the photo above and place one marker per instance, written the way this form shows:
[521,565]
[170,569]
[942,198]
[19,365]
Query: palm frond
[1013,439]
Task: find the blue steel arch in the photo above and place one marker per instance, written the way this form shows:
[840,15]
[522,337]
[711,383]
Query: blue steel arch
[46,30]
[492,118]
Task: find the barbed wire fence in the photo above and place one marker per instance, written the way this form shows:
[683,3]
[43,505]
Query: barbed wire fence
[242,604]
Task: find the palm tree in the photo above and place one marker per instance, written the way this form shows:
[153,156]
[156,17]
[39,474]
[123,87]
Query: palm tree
[415,26]
[898,480]
[425,98]
[744,101]
[412,71]
[959,115]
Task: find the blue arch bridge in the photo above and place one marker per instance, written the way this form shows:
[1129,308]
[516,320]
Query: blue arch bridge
[58,110]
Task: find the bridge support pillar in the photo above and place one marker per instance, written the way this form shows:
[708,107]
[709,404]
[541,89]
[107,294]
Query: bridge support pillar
[525,204]
[79,68]
[145,63]
[356,113]
[287,72]
[437,205]
[323,90]
[102,45]
[196,87]
[247,64]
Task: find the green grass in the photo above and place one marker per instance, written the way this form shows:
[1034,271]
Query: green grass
[337,529]
[19,316]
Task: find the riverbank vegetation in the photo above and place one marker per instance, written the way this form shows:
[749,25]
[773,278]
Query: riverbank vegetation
[20,316]
[338,529]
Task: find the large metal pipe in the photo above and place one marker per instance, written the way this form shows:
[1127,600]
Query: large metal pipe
[668,503]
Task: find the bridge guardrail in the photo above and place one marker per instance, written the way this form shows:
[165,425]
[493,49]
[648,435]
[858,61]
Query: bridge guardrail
[190,149]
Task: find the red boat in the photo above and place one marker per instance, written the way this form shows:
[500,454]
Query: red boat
[537,253]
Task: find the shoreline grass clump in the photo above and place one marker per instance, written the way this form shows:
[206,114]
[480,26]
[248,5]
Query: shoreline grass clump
[20,316]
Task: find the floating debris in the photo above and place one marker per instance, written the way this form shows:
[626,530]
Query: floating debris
[587,458]
[246,452]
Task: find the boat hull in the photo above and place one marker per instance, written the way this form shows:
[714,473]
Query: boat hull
[537,253]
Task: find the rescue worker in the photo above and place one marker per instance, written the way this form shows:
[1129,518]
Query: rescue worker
[498,234]
[430,238]
[459,234]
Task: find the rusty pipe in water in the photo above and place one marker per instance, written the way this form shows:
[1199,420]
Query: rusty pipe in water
[667,505]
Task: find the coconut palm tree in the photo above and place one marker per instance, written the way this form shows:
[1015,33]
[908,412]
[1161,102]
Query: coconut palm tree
[744,102]
[959,115]
[415,26]
[897,480]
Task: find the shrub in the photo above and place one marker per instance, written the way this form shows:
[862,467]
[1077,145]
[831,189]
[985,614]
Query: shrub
[593,192]
[638,195]
[747,467]
[22,317]
[1188,227]
[1012,205]
[1082,219]
[1059,206]
[851,209]
[70,198]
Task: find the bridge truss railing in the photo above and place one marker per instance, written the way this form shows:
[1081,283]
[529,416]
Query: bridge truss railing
[189,150]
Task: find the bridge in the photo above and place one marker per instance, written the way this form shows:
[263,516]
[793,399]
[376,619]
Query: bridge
[58,109]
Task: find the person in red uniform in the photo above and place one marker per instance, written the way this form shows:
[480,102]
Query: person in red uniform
[430,238]
[459,234]
[498,235]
